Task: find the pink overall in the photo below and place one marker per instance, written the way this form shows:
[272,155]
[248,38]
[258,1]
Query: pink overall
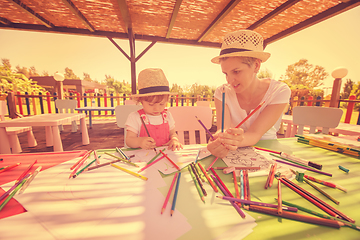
[160,133]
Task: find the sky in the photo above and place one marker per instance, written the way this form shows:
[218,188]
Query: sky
[332,43]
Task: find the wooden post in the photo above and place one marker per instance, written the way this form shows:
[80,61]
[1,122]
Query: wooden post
[11,104]
[335,94]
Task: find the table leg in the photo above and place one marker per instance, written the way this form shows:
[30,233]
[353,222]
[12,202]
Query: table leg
[5,145]
[288,130]
[90,119]
[14,143]
[84,132]
[49,136]
[58,147]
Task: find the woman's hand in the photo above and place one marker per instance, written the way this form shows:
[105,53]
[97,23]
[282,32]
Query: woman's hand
[225,141]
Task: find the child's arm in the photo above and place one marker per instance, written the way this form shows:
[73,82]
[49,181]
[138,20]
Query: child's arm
[133,141]
[174,141]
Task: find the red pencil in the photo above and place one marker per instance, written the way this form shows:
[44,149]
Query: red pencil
[221,182]
[169,193]
[237,193]
[177,167]
[248,116]
[26,171]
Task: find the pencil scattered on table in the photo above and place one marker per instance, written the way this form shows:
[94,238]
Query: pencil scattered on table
[83,158]
[129,172]
[198,179]
[29,180]
[168,193]
[201,194]
[171,161]
[122,159]
[6,168]
[26,171]
[175,194]
[11,195]
[207,177]
[210,166]
[271,175]
[122,153]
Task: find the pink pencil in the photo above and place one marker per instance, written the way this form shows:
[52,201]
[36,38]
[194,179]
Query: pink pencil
[177,167]
[169,193]
[151,164]
[211,164]
[26,171]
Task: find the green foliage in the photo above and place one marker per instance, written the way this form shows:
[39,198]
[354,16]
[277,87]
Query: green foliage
[115,86]
[348,87]
[303,73]
[193,90]
[13,81]
[264,74]
[69,74]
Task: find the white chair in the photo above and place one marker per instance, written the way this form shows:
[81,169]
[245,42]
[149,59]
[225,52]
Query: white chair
[185,121]
[121,113]
[130,102]
[325,117]
[203,103]
[66,106]
[13,132]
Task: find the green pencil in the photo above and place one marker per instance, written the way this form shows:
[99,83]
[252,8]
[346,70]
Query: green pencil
[196,184]
[153,159]
[81,170]
[12,194]
[122,159]
[348,224]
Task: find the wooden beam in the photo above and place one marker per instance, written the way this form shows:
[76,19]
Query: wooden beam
[32,13]
[132,60]
[118,47]
[5,21]
[274,13]
[145,50]
[78,14]
[125,14]
[230,6]
[173,17]
[329,13]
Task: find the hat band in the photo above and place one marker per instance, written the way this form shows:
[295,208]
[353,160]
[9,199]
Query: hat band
[232,50]
[154,89]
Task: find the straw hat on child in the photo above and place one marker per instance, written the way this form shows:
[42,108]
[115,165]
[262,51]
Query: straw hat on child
[152,81]
[243,43]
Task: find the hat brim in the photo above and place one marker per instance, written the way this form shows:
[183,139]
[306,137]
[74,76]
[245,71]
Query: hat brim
[153,94]
[263,56]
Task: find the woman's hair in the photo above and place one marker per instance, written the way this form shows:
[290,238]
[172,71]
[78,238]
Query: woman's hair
[152,99]
[246,60]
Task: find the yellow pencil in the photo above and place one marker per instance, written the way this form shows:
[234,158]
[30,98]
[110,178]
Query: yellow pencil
[130,172]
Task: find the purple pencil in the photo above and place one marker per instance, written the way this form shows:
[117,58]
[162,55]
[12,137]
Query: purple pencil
[242,214]
[207,130]
[310,169]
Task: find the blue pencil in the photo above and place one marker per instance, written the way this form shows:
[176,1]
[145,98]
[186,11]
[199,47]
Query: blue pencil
[175,194]
[197,156]
[242,184]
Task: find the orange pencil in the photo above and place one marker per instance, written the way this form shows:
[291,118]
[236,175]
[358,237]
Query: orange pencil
[9,167]
[279,208]
[272,174]
[26,171]
[208,178]
[237,193]
[177,167]
[81,159]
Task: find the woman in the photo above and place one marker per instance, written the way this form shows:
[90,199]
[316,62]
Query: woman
[240,60]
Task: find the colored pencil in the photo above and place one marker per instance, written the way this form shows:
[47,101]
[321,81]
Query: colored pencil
[26,171]
[199,172]
[272,175]
[269,176]
[207,130]
[207,177]
[246,175]
[221,182]
[122,159]
[279,208]
[325,183]
[223,111]
[122,153]
[242,194]
[248,116]
[149,165]
[289,160]
[248,202]
[130,172]
[296,216]
[327,206]
[9,167]
[79,164]
[147,131]
[175,194]
[198,179]
[302,161]
[153,159]
[12,188]
[97,159]
[322,192]
[212,164]
[236,168]
[344,169]
[236,186]
[321,215]
[101,165]
[267,150]
[81,170]
[233,203]
[29,180]
[309,169]
[169,193]
[196,184]
[86,155]
[12,194]
[197,156]
[176,166]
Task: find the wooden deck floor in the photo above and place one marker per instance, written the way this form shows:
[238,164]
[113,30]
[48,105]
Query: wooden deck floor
[103,134]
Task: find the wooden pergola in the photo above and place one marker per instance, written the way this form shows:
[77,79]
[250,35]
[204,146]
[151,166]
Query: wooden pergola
[190,22]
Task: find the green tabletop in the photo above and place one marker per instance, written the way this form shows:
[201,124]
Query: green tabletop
[272,227]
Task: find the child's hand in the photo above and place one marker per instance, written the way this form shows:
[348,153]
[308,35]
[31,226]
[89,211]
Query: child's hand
[147,143]
[174,144]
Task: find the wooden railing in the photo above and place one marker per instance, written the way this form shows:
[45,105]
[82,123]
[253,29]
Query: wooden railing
[32,104]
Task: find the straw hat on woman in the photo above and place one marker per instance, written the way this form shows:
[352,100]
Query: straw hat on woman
[240,60]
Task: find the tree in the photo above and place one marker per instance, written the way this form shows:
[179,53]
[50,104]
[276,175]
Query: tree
[87,77]
[305,74]
[264,74]
[347,89]
[69,74]
[116,86]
